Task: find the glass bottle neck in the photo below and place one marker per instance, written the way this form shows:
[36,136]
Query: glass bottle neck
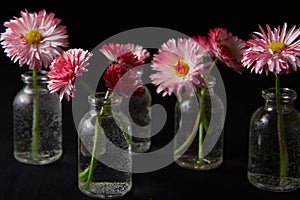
[286,98]
[210,82]
[41,81]
[99,102]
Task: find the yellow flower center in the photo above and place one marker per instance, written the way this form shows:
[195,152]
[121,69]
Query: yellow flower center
[181,68]
[277,47]
[33,37]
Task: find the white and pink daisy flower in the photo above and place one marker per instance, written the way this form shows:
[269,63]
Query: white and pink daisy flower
[129,54]
[226,47]
[34,39]
[276,51]
[178,65]
[64,69]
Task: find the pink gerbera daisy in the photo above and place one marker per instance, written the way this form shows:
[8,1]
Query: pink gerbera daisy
[277,51]
[178,65]
[129,55]
[120,79]
[226,47]
[64,69]
[34,39]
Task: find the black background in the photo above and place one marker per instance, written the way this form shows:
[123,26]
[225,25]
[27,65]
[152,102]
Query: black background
[90,23]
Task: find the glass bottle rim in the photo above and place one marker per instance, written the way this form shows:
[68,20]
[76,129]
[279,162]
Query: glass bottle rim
[99,99]
[41,76]
[286,94]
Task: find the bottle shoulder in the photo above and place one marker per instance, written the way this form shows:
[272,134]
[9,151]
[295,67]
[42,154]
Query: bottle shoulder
[270,113]
[24,97]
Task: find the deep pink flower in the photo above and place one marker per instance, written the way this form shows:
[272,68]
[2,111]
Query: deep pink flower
[203,41]
[34,39]
[178,65]
[129,55]
[226,47]
[277,51]
[64,69]
[120,79]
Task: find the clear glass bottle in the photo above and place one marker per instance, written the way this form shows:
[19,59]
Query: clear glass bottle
[268,169]
[104,149]
[37,122]
[139,109]
[189,145]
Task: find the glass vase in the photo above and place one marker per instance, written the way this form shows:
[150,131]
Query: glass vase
[274,143]
[189,143]
[139,110]
[104,149]
[37,121]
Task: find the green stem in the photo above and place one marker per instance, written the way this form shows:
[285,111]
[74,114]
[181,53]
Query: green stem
[203,123]
[35,122]
[281,134]
[95,147]
[201,118]
[189,139]
[200,156]
[204,119]
[212,64]
[128,137]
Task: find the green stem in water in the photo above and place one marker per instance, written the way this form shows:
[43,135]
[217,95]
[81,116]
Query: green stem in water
[201,118]
[128,137]
[35,122]
[189,139]
[203,124]
[281,134]
[95,147]
[200,156]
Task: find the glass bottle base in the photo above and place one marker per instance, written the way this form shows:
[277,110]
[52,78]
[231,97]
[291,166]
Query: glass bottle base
[272,183]
[105,190]
[193,163]
[42,159]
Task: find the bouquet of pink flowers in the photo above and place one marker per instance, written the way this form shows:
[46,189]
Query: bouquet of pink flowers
[184,66]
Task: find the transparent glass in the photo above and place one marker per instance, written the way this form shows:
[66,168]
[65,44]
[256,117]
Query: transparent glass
[104,150]
[44,144]
[265,170]
[139,109]
[192,157]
